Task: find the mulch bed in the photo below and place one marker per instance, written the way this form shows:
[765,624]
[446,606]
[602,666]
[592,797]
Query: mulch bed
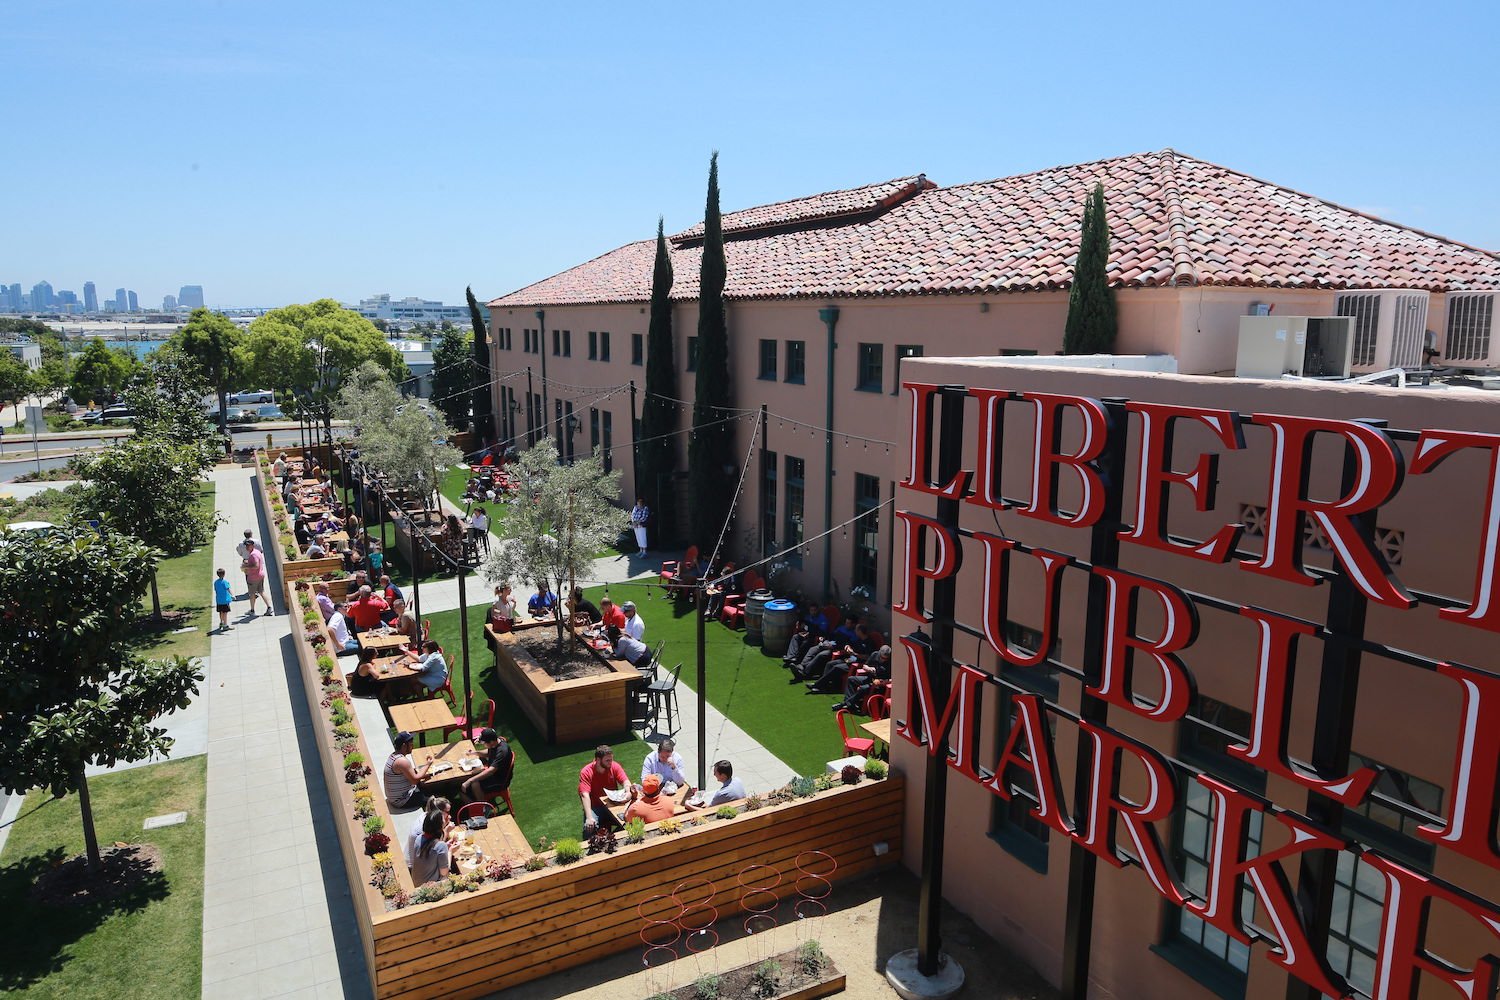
[564,664]
[741,983]
[123,868]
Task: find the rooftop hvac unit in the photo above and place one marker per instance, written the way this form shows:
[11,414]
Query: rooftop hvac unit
[1390,328]
[1471,317]
[1310,346]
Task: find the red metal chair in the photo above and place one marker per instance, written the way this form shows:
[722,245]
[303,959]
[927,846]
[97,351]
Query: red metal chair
[733,612]
[878,706]
[461,723]
[854,744]
[835,617]
[485,809]
[753,581]
[877,637]
[447,690]
[669,568]
[504,793]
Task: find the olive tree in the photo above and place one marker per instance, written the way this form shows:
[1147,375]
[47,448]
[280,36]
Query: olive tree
[563,516]
[72,693]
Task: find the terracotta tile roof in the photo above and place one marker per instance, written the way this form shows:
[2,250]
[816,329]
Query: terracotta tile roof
[831,205]
[1173,220]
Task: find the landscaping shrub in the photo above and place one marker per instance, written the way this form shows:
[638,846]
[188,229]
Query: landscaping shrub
[568,850]
[876,769]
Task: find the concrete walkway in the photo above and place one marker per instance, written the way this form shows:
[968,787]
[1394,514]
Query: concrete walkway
[277,919]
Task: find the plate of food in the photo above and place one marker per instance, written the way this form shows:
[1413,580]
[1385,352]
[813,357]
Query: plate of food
[441,766]
[697,800]
[670,788]
[618,796]
[471,763]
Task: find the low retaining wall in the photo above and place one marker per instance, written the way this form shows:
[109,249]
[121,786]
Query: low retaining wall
[536,924]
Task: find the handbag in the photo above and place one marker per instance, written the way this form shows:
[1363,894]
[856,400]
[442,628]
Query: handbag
[476,822]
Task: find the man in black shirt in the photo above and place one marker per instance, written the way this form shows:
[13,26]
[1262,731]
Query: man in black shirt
[494,777]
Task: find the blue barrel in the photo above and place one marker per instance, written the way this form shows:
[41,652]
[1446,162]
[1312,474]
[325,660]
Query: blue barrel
[755,605]
[780,620]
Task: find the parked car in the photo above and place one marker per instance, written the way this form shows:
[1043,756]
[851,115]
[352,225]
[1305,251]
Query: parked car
[252,396]
[240,414]
[270,411]
[116,414]
[92,416]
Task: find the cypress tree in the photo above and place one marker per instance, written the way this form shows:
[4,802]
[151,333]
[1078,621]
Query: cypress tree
[1091,304]
[711,447]
[658,456]
[484,414]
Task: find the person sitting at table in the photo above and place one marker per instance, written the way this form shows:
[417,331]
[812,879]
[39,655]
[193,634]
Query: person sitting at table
[355,582]
[582,609]
[324,602]
[403,779]
[728,581]
[593,780]
[729,790]
[325,524]
[815,660]
[666,764]
[432,860]
[635,625]
[300,532]
[542,602]
[437,805]
[503,610]
[338,628]
[611,616]
[278,467]
[366,609]
[354,556]
[363,683]
[315,549]
[628,648]
[405,623]
[434,670]
[649,803]
[353,524]
[389,592]
[498,764]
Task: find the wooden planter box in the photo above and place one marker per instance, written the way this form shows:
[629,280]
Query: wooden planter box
[829,982]
[585,709]
[536,924]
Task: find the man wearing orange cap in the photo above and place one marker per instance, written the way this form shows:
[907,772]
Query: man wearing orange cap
[650,805]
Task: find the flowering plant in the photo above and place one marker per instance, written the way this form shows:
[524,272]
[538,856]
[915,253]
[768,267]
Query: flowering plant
[375,843]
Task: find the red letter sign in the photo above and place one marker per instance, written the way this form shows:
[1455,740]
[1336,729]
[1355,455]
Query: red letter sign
[1275,670]
[1154,476]
[1122,643]
[963,708]
[1030,722]
[987,450]
[917,475]
[1106,803]
[1432,448]
[949,556]
[1476,806]
[996,599]
[1047,461]
[1403,936]
[1379,469]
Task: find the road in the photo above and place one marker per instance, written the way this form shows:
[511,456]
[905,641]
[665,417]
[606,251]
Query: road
[16,460]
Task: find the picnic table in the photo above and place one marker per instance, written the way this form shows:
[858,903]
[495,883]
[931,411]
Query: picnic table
[380,641]
[502,838]
[339,540]
[422,716]
[451,753]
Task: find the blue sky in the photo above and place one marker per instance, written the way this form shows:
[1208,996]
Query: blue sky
[277,152]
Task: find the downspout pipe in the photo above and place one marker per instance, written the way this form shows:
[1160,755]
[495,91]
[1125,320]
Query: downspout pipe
[830,317]
[541,322]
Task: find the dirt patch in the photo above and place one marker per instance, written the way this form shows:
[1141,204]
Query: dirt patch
[776,977]
[563,664]
[123,869]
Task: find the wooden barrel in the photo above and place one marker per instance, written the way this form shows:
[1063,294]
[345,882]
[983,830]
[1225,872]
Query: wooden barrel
[755,605]
[780,618]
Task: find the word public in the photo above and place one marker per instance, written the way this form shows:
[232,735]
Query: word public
[1375,471]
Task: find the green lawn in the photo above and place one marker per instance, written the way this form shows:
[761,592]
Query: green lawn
[186,583]
[147,943]
[545,788]
[749,687]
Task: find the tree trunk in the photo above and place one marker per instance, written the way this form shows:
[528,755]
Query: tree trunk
[155,599]
[223,405]
[90,839]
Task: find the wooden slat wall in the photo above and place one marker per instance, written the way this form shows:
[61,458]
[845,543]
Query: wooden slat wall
[514,932]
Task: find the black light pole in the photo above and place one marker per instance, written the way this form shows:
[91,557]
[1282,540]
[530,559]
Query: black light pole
[530,410]
[635,449]
[463,632]
[541,322]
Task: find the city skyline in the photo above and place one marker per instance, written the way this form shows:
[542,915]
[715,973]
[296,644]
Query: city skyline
[43,296]
[495,171]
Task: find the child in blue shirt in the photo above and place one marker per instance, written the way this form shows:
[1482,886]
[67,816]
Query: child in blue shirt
[223,596]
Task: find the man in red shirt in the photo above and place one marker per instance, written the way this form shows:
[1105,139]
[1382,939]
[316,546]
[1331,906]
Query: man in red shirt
[593,780]
[610,615]
[367,610]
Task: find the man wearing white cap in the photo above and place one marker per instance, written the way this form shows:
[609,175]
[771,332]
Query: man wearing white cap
[635,625]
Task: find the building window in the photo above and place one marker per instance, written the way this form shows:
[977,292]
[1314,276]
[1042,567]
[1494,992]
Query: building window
[526,340]
[904,351]
[608,440]
[558,427]
[692,354]
[871,368]
[638,349]
[768,505]
[796,361]
[796,486]
[603,345]
[866,530]
[768,360]
[1200,949]
[567,343]
[1012,825]
[593,345]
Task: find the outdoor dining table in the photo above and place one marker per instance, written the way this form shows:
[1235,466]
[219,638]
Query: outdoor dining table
[878,728]
[422,716]
[370,639]
[450,753]
[338,539]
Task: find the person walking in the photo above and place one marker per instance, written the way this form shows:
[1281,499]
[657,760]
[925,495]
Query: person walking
[639,515]
[254,567]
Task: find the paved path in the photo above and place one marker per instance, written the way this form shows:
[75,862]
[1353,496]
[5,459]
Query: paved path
[277,919]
